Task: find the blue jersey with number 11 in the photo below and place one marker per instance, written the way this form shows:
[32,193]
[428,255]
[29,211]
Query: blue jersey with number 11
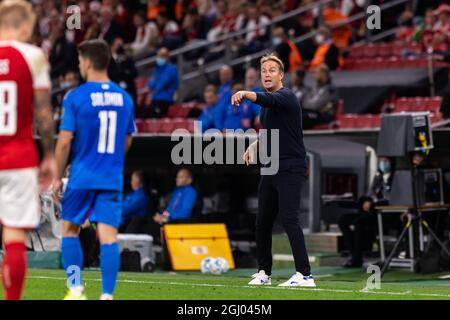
[100,115]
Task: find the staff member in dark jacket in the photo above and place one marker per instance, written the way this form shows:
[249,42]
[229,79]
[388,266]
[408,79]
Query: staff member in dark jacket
[280,192]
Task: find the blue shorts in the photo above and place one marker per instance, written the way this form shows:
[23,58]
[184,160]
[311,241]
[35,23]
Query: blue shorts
[101,206]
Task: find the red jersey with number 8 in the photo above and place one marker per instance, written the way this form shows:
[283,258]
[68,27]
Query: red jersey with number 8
[23,69]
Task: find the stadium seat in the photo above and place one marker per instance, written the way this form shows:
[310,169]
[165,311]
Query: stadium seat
[376,121]
[433,104]
[346,121]
[178,111]
[140,125]
[402,105]
[152,125]
[167,125]
[384,50]
[363,121]
[141,83]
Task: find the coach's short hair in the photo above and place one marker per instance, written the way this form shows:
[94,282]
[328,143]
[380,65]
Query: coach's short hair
[14,12]
[97,51]
[272,57]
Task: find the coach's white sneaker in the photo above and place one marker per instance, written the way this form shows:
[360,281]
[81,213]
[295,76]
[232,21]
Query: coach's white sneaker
[260,279]
[299,280]
[106,296]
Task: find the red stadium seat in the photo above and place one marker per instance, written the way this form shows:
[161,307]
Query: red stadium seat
[433,104]
[141,83]
[323,126]
[376,121]
[417,104]
[140,125]
[370,50]
[357,52]
[166,125]
[384,50]
[178,111]
[363,121]
[402,105]
[152,125]
[346,121]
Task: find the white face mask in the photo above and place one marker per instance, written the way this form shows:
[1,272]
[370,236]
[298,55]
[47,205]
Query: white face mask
[276,41]
[320,38]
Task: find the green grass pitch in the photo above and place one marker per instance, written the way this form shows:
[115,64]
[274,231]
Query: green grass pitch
[332,283]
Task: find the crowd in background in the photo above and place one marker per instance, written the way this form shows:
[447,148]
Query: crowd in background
[140,29]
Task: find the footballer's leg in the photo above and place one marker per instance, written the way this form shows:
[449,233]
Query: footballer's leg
[14,262]
[76,206]
[109,259]
[107,212]
[72,258]
[19,203]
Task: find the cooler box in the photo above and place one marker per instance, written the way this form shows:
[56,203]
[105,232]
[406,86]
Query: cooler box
[141,243]
[189,244]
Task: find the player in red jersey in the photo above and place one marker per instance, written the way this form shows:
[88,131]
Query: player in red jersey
[24,95]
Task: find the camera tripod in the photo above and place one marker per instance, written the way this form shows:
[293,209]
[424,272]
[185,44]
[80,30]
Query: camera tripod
[414,219]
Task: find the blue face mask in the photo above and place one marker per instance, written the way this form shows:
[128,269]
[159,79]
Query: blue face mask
[385,166]
[160,61]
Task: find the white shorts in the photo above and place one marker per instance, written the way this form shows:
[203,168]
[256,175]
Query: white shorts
[19,198]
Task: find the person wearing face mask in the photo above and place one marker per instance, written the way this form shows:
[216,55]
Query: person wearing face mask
[286,50]
[162,85]
[364,222]
[327,52]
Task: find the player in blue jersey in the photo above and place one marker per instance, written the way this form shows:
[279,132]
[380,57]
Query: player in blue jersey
[95,132]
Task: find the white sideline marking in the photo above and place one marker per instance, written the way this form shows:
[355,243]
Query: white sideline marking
[265,287]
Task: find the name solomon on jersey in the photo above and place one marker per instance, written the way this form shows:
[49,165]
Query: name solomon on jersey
[101,99]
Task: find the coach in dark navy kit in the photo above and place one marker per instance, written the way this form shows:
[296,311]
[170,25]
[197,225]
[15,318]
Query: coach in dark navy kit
[279,193]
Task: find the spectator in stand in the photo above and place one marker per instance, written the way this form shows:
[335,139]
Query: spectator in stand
[230,117]
[226,83]
[424,33]
[254,40]
[333,17]
[154,8]
[109,28]
[122,69]
[327,52]
[135,205]
[162,85]
[222,22]
[194,26]
[319,105]
[169,32]
[181,203]
[286,50]
[146,38]
[208,117]
[442,29]
[298,85]
[63,54]
[68,81]
[252,83]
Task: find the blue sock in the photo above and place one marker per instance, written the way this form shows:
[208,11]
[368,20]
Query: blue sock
[109,266]
[72,259]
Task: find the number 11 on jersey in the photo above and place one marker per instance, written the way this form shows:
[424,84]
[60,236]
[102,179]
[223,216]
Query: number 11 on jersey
[107,134]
